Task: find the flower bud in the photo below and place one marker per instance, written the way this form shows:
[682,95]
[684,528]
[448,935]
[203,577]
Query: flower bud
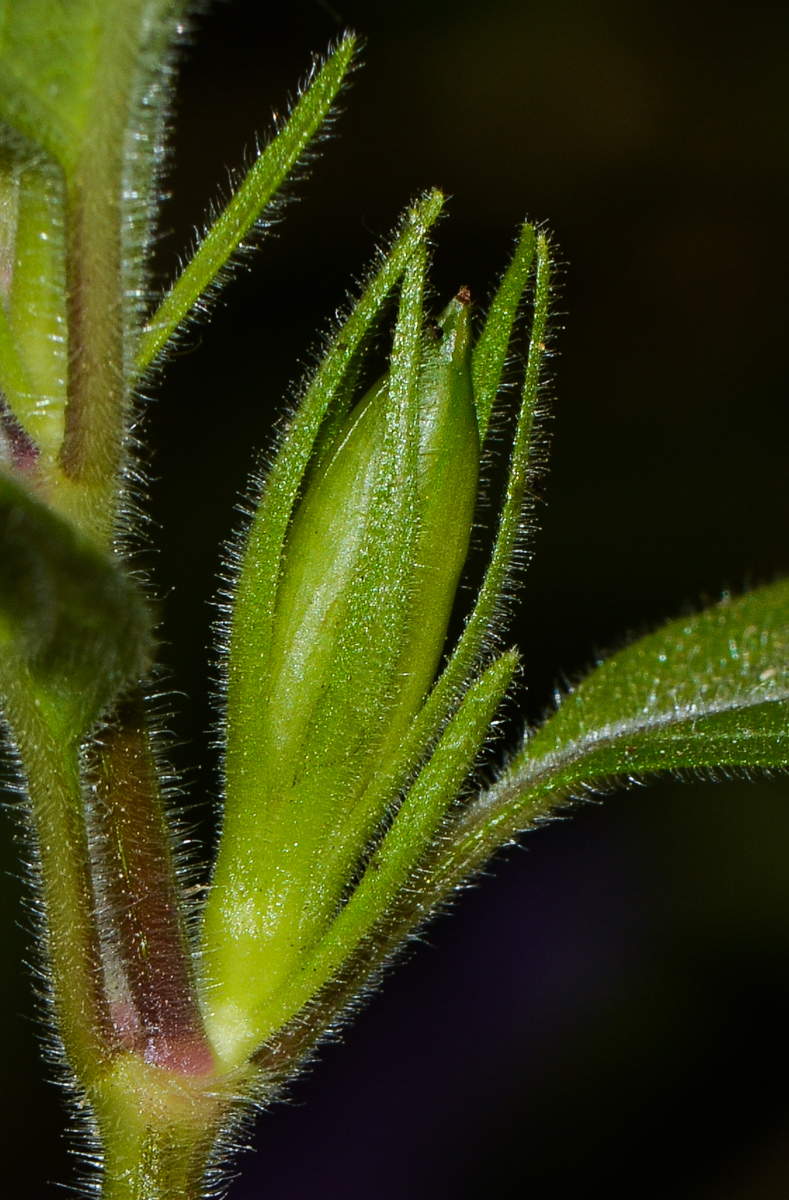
[369,574]
[371,567]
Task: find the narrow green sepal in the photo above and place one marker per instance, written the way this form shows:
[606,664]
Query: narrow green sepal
[258,573]
[493,344]
[478,634]
[395,865]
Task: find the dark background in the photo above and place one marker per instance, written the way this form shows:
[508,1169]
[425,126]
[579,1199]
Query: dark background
[608,1011]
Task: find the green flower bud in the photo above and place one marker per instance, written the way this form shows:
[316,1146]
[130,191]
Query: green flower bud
[345,754]
[370,569]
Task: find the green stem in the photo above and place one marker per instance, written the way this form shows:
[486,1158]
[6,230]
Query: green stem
[50,762]
[118,956]
[97,404]
[100,268]
[159,1131]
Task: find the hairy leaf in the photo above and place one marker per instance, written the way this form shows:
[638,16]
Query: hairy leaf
[704,692]
[56,61]
[270,170]
[71,622]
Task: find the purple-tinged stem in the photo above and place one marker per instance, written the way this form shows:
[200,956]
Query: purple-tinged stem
[148,965]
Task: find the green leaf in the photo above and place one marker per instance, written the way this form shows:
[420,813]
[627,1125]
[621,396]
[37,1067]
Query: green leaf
[693,694]
[48,62]
[57,62]
[705,692]
[265,177]
[73,627]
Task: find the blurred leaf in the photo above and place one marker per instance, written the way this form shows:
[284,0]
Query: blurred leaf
[73,627]
[54,61]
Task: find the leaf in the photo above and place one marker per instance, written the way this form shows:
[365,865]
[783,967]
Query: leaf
[704,692]
[690,695]
[57,62]
[73,627]
[268,173]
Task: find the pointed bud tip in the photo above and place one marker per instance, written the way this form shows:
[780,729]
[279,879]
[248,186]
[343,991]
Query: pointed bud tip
[452,332]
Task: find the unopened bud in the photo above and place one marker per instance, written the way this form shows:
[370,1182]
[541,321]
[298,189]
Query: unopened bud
[370,570]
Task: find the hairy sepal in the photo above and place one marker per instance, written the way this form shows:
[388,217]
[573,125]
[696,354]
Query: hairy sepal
[262,925]
[395,865]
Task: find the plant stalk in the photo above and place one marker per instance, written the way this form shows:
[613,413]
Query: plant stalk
[148,964]
[50,761]
[106,186]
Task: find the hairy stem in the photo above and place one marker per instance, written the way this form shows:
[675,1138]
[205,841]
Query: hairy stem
[103,315]
[141,925]
[50,761]
[159,1131]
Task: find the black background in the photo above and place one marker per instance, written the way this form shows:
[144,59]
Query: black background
[608,1011]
